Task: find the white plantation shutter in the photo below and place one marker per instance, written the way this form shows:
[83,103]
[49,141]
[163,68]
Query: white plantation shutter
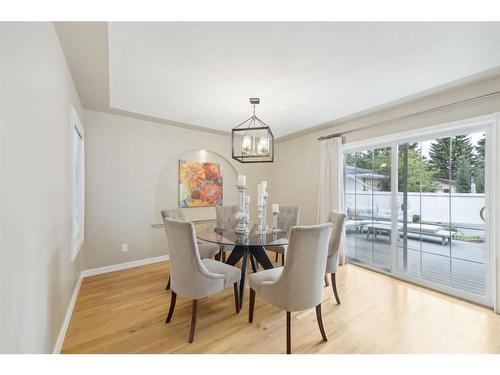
[78,168]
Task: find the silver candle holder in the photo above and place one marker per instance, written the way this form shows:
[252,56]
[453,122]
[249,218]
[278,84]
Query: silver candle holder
[242,216]
[261,213]
[264,222]
[260,218]
[275,222]
[247,210]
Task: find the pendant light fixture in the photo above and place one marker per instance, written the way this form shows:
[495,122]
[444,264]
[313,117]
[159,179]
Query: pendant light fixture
[253,140]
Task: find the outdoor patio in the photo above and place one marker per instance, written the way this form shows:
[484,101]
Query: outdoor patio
[458,264]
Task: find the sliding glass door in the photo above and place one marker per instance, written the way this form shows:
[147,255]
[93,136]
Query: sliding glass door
[430,226]
[441,222]
[367,178]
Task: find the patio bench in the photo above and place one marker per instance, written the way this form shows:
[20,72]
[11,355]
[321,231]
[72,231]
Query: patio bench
[424,230]
[443,235]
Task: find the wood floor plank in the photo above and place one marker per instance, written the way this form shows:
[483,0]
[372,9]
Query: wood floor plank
[125,311]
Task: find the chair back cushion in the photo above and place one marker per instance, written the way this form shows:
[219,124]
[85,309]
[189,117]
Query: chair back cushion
[337,219]
[188,275]
[300,285]
[174,213]
[226,216]
[288,218]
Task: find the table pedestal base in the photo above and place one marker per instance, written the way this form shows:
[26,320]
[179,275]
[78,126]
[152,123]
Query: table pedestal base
[242,251]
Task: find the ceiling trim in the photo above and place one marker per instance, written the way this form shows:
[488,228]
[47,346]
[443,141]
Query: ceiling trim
[140,116]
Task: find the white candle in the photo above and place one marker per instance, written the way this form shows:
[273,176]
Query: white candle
[264,183]
[276,208]
[260,189]
[242,180]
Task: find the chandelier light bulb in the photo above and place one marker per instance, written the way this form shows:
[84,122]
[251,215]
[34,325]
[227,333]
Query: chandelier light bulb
[263,146]
[246,144]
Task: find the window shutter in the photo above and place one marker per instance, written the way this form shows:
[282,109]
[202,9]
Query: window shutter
[78,185]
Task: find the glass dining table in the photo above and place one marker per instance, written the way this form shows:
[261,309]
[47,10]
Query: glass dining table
[245,246]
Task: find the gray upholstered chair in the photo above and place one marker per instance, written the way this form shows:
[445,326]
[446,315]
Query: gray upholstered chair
[287,218]
[332,262]
[191,276]
[207,250]
[225,217]
[299,284]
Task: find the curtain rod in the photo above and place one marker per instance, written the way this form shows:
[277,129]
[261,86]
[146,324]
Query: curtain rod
[404,117]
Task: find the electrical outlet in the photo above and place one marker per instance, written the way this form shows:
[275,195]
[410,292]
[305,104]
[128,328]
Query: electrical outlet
[124,247]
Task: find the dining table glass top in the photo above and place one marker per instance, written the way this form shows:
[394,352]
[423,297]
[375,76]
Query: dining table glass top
[210,233]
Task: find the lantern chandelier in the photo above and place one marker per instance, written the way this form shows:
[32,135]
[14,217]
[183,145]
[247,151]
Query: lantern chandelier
[253,140]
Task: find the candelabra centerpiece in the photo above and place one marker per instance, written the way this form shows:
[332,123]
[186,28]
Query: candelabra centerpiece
[276,212]
[242,216]
[262,195]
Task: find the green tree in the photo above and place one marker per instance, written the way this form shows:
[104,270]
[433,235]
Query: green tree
[478,170]
[464,178]
[382,166]
[377,162]
[458,149]
[439,154]
[421,176]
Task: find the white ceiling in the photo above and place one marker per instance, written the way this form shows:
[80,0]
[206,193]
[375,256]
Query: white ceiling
[305,73]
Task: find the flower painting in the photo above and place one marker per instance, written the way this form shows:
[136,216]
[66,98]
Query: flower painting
[200,184]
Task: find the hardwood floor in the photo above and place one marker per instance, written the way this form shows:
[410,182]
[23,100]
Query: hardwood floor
[125,311]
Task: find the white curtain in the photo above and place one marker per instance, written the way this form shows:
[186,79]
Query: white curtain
[331,186]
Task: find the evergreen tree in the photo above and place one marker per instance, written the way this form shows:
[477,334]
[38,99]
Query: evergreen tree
[439,154]
[464,178]
[478,171]
[462,152]
[480,148]
[459,149]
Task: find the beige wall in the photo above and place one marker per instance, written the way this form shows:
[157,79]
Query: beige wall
[132,173]
[37,277]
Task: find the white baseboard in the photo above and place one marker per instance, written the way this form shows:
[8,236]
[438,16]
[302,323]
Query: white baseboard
[67,317]
[92,272]
[123,266]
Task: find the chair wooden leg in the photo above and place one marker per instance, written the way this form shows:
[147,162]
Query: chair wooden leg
[276,260]
[236,299]
[173,298]
[168,284]
[288,332]
[217,256]
[320,322]
[334,287]
[252,305]
[193,321]
[224,256]
[283,259]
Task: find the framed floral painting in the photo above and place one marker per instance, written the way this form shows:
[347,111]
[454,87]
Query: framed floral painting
[200,184]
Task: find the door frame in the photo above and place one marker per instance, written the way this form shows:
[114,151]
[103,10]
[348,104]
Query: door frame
[486,123]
